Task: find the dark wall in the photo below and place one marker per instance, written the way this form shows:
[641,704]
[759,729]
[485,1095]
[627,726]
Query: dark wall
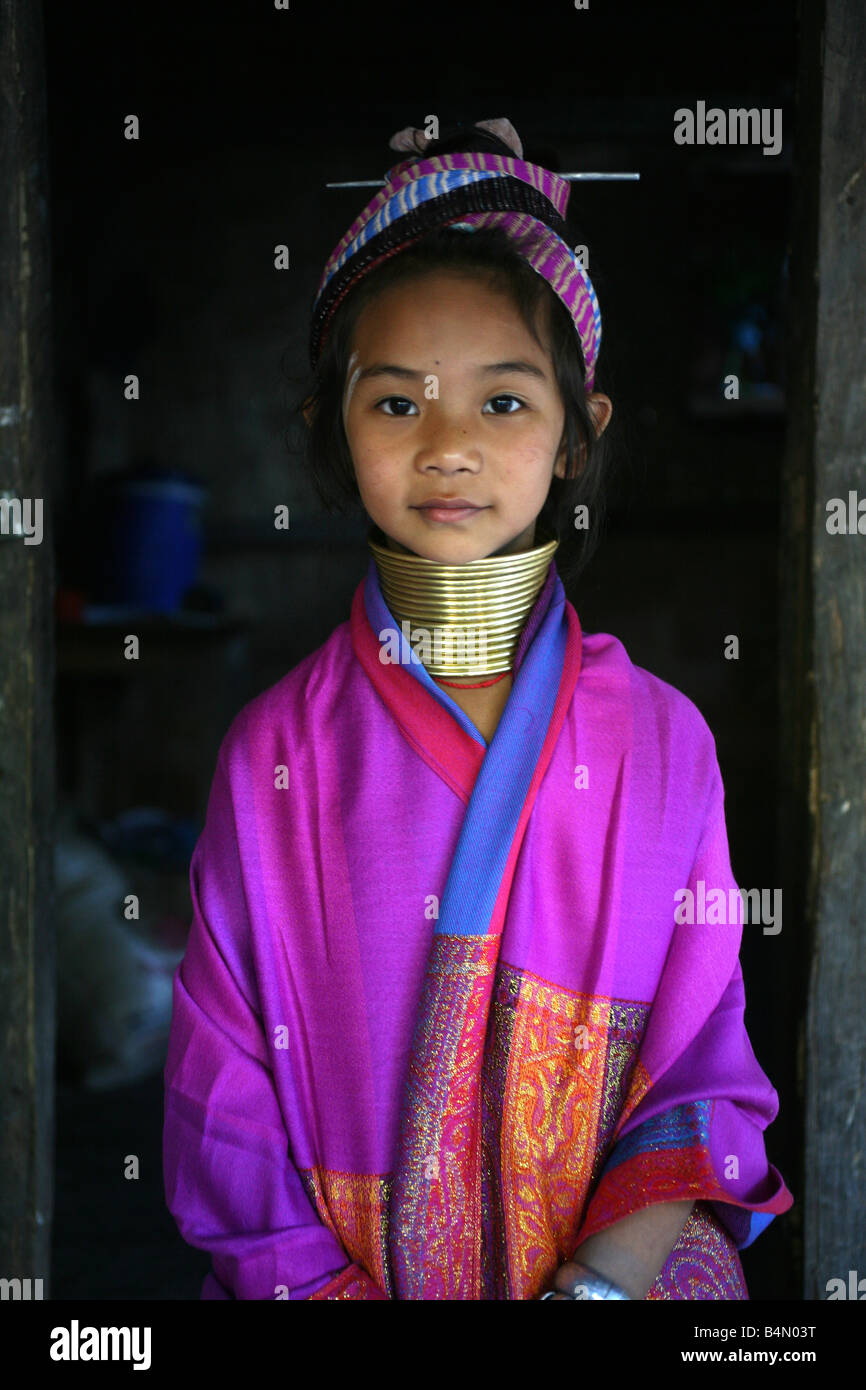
[164,266]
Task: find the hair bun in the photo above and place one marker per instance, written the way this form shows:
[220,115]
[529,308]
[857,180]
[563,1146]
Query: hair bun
[503,130]
[496,135]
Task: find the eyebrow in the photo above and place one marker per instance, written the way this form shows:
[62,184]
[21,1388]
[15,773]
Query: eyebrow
[491,368]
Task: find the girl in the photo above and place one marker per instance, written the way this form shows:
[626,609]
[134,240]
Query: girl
[441,1030]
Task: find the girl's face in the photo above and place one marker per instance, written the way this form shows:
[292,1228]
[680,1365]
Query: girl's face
[449,397]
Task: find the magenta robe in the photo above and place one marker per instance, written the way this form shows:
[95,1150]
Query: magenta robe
[436,1022]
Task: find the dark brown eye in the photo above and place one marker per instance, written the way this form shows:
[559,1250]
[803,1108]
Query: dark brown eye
[401,400]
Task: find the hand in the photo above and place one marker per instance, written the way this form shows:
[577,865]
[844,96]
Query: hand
[631,1252]
[567,1284]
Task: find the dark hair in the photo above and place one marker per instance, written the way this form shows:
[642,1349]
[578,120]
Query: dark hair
[490,253]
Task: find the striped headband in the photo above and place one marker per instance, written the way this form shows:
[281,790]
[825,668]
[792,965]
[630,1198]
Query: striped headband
[466,191]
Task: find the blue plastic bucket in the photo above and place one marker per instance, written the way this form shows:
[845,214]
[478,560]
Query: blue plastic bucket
[156,542]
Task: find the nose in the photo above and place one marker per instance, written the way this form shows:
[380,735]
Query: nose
[448,445]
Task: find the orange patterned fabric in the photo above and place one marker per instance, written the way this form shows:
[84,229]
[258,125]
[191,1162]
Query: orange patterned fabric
[557,1081]
[560,1076]
[355,1206]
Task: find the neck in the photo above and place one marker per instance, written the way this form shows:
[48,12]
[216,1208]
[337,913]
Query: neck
[464,620]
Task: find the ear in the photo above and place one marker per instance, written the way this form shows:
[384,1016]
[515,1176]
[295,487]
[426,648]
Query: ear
[308,411]
[601,409]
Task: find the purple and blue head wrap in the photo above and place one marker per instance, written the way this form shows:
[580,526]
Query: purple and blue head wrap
[468,190]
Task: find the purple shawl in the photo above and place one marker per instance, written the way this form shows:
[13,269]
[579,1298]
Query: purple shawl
[436,1023]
